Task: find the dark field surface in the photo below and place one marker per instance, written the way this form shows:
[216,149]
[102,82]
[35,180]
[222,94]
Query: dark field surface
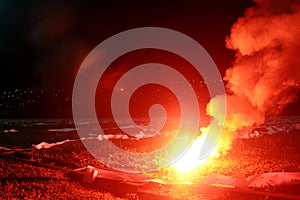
[279,152]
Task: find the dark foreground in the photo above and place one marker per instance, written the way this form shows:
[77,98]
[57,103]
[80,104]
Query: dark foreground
[279,152]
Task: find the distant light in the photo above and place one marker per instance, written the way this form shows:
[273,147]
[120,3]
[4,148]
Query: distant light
[122,89]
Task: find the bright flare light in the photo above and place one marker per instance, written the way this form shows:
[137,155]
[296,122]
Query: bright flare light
[210,134]
[190,159]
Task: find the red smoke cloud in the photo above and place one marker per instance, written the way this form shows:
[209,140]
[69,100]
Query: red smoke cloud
[265,75]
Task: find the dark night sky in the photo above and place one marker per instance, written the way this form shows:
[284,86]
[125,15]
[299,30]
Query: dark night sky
[42,43]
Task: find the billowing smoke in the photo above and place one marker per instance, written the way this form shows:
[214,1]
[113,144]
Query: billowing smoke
[266,69]
[265,74]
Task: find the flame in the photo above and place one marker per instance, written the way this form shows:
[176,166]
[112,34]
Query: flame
[234,120]
[190,158]
[220,143]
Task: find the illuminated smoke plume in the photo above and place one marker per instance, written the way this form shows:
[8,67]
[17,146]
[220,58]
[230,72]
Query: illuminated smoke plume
[265,74]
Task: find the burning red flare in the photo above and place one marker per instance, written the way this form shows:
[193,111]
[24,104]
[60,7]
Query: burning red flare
[264,78]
